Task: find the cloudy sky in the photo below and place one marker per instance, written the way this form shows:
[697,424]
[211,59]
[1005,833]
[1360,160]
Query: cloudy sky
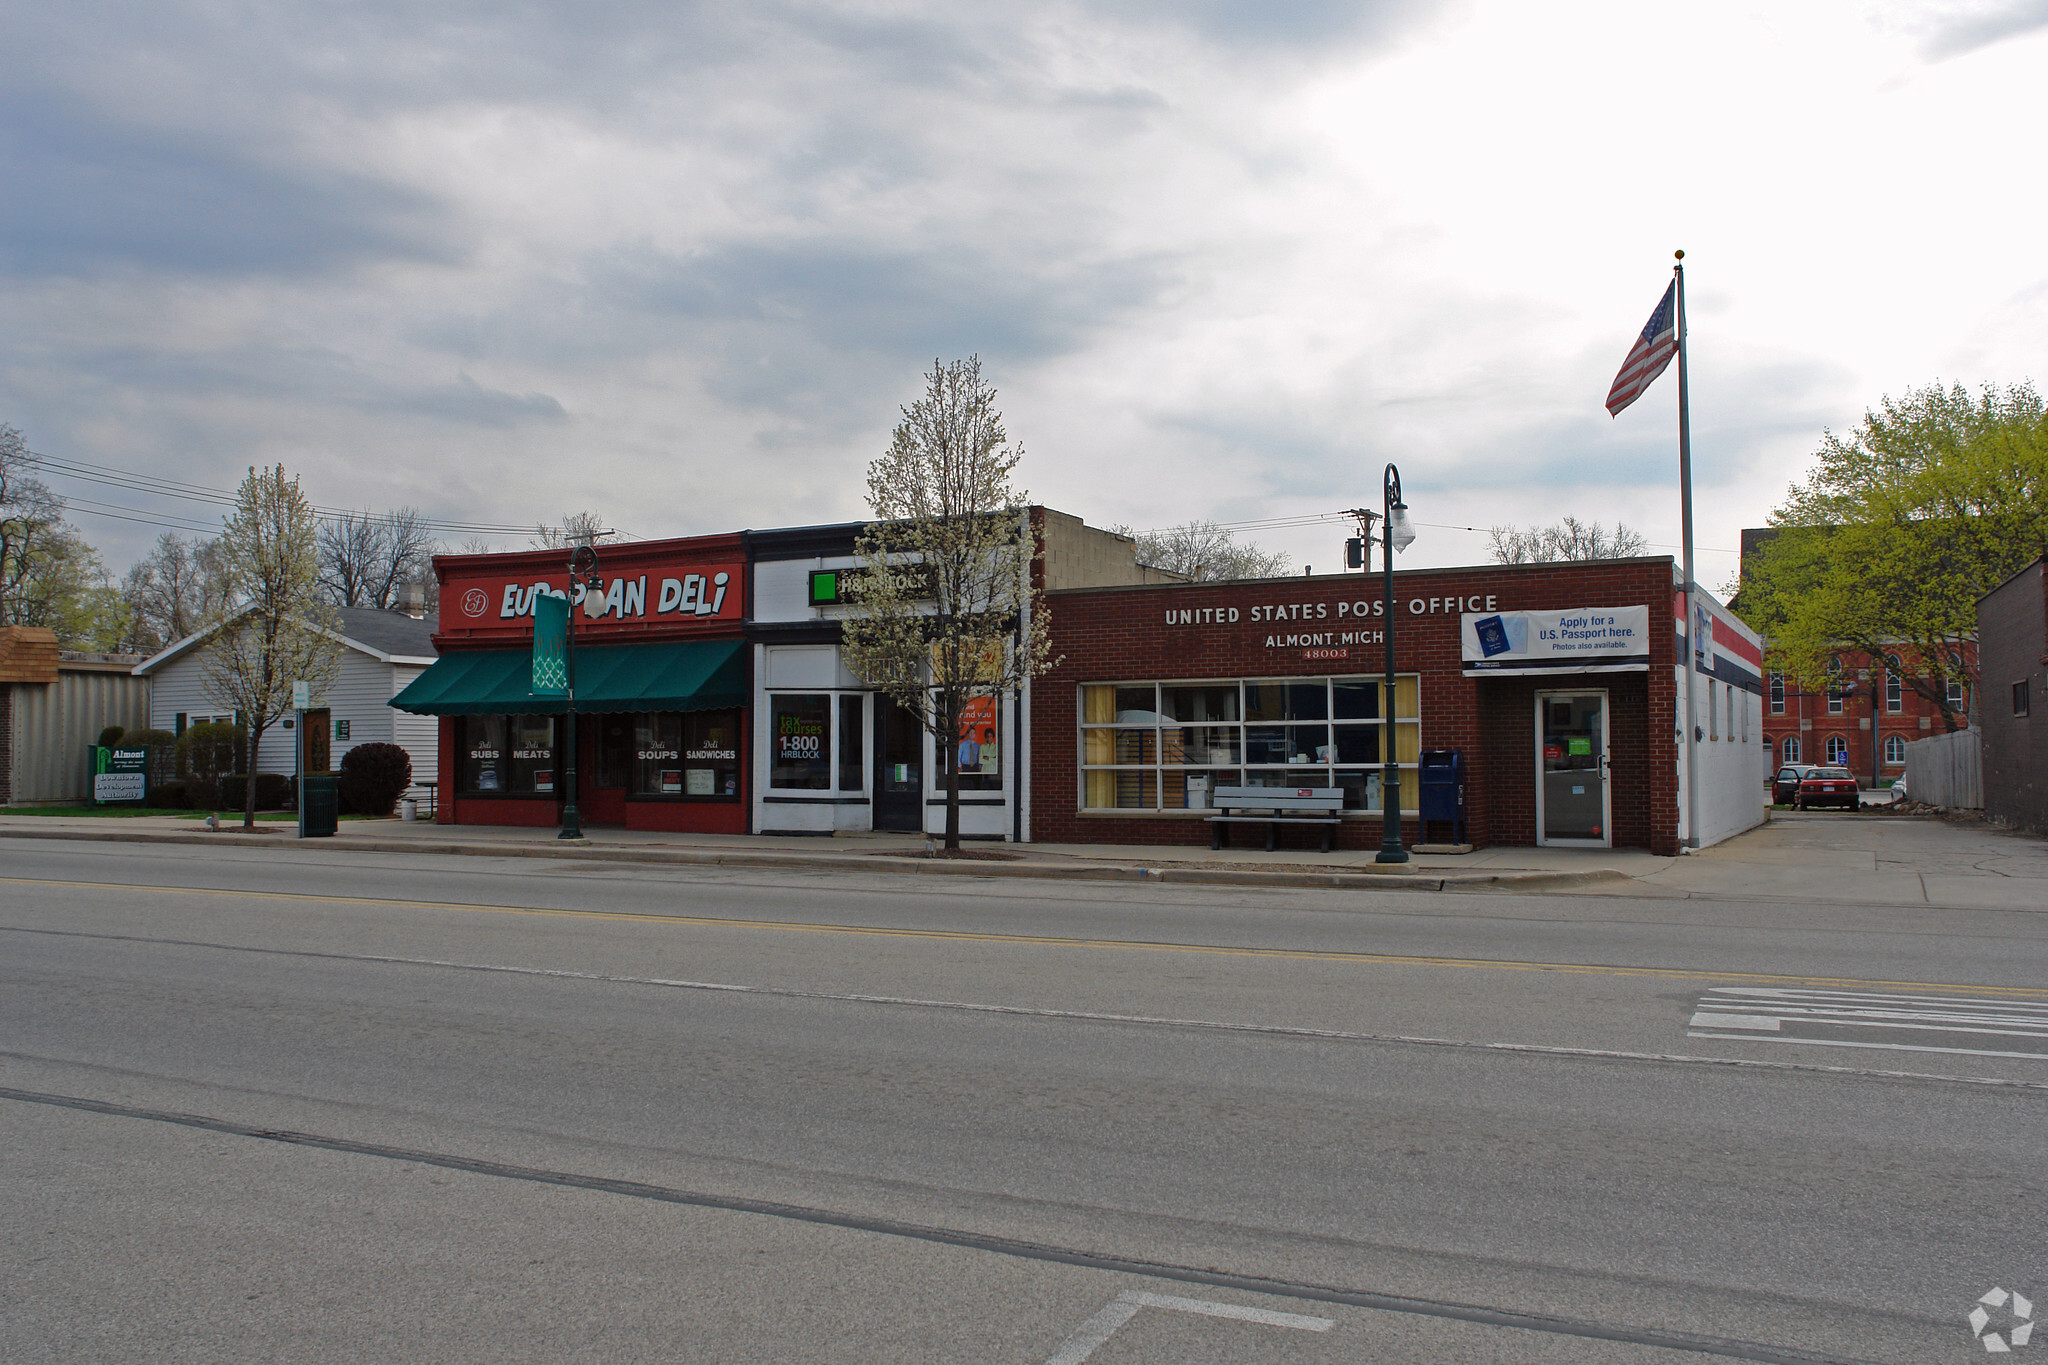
[682,263]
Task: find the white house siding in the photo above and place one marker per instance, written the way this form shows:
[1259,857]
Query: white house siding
[360,696]
[420,735]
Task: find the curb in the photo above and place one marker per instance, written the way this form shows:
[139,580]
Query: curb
[869,862]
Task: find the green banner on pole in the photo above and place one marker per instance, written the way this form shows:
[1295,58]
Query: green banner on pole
[550,645]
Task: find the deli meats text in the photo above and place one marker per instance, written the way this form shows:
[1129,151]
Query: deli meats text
[691,595]
[1321,611]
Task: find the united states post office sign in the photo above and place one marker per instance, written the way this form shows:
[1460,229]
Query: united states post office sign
[1581,640]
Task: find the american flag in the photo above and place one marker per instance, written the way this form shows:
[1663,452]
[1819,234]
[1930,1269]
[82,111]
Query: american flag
[1648,357]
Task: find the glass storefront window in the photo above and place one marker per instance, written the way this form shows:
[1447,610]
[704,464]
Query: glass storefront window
[533,754]
[1166,746]
[483,755]
[853,747]
[818,741]
[657,756]
[508,756]
[711,753]
[980,754]
[799,732]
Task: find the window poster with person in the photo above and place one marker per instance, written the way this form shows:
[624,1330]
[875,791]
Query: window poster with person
[981,750]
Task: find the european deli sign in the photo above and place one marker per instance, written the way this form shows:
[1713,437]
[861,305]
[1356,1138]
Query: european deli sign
[493,596]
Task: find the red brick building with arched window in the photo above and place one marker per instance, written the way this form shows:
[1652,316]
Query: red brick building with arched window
[1864,723]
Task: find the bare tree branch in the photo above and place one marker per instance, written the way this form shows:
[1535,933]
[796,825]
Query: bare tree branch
[1569,539]
[1202,551]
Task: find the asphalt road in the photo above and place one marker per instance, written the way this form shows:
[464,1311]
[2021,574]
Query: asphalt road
[287,1105]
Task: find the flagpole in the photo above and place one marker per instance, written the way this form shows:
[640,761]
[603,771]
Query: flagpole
[1692,781]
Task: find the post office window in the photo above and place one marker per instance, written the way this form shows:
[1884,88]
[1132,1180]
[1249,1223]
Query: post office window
[1166,746]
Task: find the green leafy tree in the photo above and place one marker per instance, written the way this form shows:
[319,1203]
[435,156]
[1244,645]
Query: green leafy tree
[944,610]
[1931,502]
[49,576]
[283,630]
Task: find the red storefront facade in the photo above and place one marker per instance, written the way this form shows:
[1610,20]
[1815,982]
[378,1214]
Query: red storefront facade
[1162,693]
[649,754]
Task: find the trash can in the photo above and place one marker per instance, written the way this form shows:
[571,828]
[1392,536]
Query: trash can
[408,809]
[1443,791]
[319,806]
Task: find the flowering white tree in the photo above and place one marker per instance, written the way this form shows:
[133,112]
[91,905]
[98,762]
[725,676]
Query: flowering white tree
[282,630]
[944,609]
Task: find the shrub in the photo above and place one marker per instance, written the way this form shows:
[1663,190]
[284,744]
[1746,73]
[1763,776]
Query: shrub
[168,796]
[201,794]
[207,751]
[273,791]
[163,753]
[373,777]
[111,736]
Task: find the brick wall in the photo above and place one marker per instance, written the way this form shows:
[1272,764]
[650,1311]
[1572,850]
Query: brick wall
[1806,716]
[2012,626]
[1122,635]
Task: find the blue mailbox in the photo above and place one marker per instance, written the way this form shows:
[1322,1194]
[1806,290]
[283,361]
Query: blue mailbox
[1443,791]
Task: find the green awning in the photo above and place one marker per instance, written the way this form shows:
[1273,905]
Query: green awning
[700,676]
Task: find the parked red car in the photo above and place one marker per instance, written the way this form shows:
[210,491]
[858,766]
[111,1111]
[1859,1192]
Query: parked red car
[1785,786]
[1828,787]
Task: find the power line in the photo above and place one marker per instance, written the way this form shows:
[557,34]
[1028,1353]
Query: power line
[1319,518]
[112,477]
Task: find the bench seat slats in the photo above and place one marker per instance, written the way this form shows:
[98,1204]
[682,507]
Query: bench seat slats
[1280,805]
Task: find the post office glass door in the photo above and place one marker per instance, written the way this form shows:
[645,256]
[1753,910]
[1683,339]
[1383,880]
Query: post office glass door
[1572,805]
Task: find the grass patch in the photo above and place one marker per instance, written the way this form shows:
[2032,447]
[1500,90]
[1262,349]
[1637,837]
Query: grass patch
[132,812]
[88,812]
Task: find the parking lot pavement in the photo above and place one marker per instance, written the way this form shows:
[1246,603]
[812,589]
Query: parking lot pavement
[1839,857]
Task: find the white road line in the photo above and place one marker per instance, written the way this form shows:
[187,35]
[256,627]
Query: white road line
[1138,1020]
[1301,1322]
[1763,1023]
[1120,1310]
[1795,1015]
[1888,1047]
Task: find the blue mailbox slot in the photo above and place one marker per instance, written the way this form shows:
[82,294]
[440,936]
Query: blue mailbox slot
[1443,791]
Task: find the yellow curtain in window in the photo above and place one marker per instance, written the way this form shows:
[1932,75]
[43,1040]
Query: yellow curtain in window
[1407,749]
[1099,705]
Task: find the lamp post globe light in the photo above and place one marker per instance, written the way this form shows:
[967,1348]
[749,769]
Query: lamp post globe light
[1399,536]
[582,569]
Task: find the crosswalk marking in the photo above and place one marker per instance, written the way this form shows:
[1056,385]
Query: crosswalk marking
[1873,1019]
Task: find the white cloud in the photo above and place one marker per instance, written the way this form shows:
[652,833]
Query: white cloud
[683,263]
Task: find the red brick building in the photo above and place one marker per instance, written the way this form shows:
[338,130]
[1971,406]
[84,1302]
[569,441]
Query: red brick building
[661,689]
[1865,722]
[1868,711]
[2012,621]
[1162,694]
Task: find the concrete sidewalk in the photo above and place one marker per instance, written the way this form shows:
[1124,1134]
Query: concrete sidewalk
[1819,858]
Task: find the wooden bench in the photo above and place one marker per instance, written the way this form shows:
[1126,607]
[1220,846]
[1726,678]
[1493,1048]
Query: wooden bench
[1282,806]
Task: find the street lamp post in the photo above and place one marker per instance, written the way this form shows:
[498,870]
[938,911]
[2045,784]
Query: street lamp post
[583,569]
[1399,536]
